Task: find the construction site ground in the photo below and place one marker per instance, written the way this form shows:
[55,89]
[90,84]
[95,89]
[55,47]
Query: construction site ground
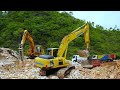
[12,68]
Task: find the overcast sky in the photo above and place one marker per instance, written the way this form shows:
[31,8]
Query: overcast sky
[106,19]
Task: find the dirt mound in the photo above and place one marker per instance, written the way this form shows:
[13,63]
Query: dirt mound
[108,70]
[26,70]
[114,63]
[8,54]
[12,68]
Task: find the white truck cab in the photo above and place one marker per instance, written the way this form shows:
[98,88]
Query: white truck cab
[95,57]
[77,58]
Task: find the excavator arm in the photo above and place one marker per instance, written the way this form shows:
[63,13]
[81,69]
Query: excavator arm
[76,33]
[27,35]
[31,51]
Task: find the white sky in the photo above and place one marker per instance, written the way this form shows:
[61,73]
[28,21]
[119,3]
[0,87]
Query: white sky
[106,19]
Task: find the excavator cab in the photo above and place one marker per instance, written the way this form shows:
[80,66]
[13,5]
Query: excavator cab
[39,49]
[52,51]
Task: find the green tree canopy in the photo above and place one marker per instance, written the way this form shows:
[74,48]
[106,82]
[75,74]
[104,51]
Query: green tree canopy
[49,27]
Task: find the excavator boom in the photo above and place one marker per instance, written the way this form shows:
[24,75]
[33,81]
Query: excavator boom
[73,35]
[27,35]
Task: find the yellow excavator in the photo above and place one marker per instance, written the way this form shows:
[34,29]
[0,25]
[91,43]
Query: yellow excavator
[34,51]
[56,58]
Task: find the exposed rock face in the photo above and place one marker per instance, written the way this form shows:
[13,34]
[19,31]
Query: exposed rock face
[8,54]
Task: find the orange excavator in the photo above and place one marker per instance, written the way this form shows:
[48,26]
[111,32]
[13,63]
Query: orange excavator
[34,50]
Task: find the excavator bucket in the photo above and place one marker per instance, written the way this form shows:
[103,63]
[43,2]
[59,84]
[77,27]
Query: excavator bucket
[85,63]
[83,53]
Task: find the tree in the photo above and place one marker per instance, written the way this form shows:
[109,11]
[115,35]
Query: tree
[49,28]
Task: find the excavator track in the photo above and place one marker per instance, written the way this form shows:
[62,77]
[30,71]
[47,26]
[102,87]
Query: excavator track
[63,72]
[42,72]
[60,72]
[48,71]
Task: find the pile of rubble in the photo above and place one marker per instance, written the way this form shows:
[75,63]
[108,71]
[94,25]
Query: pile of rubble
[16,69]
[8,54]
[12,68]
[108,70]
[26,70]
[20,70]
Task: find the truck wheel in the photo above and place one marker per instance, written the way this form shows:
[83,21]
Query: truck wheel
[74,60]
[111,60]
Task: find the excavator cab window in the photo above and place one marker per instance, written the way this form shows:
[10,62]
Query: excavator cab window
[49,52]
[55,51]
[38,49]
[52,51]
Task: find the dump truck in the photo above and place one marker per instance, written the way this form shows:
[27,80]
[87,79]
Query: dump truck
[96,60]
[105,57]
[77,58]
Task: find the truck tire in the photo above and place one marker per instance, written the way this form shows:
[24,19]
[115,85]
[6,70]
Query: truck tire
[74,60]
[111,60]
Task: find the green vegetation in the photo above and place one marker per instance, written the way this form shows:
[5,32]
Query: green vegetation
[49,27]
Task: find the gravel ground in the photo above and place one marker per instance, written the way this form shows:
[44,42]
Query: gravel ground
[12,68]
[18,70]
